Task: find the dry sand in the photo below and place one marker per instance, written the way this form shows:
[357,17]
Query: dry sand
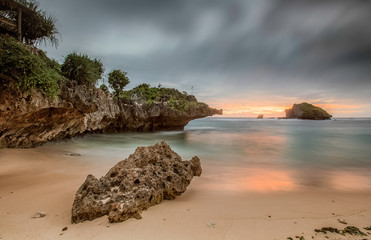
[46,179]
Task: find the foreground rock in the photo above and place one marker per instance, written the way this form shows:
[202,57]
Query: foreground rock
[142,180]
[32,119]
[307,111]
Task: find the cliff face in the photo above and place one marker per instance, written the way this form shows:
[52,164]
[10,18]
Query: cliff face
[29,120]
[307,111]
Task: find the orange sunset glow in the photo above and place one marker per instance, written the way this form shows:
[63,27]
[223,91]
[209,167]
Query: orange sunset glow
[268,109]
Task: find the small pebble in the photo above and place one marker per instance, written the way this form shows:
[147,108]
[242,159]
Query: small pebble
[211,224]
[269,216]
[108,225]
[39,215]
[65,229]
[342,221]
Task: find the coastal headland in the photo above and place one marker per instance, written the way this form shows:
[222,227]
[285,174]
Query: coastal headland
[32,119]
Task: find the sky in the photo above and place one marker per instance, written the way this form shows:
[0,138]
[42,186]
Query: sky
[248,57]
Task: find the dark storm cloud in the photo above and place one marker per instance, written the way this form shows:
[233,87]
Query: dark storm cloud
[226,46]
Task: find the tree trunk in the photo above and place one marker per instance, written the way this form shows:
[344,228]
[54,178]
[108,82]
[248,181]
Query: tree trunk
[19,32]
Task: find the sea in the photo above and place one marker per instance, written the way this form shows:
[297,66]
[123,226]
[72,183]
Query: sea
[245,154]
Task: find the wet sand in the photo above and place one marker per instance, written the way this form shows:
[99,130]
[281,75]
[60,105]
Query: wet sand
[47,178]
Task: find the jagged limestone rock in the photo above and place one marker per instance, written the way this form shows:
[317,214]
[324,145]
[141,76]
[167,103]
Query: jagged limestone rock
[145,178]
[32,119]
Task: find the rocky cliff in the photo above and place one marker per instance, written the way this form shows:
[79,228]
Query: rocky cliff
[307,111]
[31,119]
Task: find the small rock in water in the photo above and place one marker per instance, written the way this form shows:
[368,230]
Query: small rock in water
[342,221]
[39,215]
[211,224]
[65,229]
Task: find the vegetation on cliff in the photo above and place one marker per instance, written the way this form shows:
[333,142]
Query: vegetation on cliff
[117,80]
[307,111]
[82,68]
[176,100]
[27,67]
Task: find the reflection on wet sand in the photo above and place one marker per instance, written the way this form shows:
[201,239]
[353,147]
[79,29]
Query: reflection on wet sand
[248,179]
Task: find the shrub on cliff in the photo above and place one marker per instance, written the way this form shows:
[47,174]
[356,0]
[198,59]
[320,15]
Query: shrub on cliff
[27,67]
[104,88]
[117,80]
[175,99]
[81,68]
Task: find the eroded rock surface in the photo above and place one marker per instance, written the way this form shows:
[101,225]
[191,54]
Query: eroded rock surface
[142,180]
[32,119]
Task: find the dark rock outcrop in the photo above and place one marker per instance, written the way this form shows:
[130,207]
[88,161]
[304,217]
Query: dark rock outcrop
[31,119]
[144,179]
[307,111]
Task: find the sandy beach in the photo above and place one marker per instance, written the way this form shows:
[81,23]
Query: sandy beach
[41,180]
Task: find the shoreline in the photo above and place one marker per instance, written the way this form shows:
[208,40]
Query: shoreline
[40,180]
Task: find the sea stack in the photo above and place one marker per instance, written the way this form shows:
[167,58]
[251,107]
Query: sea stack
[307,111]
[260,116]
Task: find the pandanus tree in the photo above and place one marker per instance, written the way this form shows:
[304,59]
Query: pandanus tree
[37,25]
